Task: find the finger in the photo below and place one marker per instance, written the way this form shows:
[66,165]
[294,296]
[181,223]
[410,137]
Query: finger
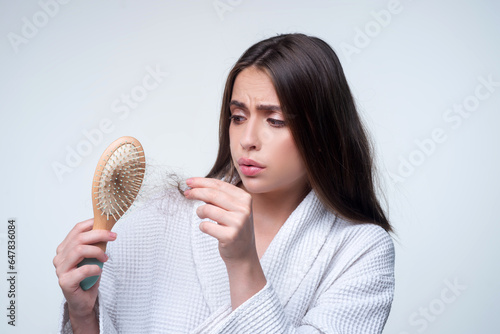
[238,202]
[71,260]
[83,226]
[95,236]
[74,252]
[203,182]
[85,238]
[70,281]
[215,197]
[89,238]
[219,232]
[216,214]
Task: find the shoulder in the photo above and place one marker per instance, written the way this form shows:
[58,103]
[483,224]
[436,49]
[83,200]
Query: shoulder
[361,248]
[365,236]
[344,241]
[344,232]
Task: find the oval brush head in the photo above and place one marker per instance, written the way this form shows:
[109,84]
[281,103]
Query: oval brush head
[117,181]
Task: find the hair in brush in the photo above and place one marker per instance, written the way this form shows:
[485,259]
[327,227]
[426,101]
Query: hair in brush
[117,181]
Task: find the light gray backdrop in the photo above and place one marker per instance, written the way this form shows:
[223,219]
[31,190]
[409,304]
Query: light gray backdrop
[75,75]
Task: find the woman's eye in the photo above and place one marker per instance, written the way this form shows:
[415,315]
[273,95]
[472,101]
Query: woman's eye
[236,119]
[276,122]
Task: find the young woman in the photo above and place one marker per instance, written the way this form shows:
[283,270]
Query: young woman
[284,235]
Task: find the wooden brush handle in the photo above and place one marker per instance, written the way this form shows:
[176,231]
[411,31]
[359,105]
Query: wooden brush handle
[101,223]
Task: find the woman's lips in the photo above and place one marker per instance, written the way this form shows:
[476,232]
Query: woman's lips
[249,167]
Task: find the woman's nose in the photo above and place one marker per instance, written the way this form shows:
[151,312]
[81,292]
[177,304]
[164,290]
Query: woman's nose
[250,136]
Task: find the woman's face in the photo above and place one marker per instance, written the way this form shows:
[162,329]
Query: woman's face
[262,146]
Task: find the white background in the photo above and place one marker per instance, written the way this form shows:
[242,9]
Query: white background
[408,63]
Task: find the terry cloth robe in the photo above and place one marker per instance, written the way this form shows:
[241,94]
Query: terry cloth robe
[324,275]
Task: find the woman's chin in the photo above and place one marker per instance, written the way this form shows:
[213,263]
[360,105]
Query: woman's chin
[253,185]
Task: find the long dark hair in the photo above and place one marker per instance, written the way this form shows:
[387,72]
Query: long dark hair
[320,111]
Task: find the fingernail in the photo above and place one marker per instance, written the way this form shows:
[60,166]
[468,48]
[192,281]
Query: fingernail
[186,192]
[189,182]
[112,235]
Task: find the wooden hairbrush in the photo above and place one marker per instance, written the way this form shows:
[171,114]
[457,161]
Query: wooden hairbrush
[117,181]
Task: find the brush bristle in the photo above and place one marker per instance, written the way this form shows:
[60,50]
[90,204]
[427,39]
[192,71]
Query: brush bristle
[120,181]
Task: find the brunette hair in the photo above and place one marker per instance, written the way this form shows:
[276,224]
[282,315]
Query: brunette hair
[320,111]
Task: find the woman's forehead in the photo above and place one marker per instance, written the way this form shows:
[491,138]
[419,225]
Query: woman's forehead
[254,86]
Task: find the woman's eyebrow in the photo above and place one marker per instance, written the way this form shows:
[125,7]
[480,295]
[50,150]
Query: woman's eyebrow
[268,107]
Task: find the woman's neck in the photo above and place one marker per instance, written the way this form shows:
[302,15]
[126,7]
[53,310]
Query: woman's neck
[271,210]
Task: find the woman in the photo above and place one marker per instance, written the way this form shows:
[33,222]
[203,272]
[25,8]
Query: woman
[301,243]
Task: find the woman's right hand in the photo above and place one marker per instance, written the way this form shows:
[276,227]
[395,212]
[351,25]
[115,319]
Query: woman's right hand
[78,245]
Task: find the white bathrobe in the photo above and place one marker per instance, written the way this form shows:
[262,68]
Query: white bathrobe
[324,275]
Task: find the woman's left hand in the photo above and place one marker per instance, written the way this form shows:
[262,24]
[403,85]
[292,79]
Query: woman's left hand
[231,208]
